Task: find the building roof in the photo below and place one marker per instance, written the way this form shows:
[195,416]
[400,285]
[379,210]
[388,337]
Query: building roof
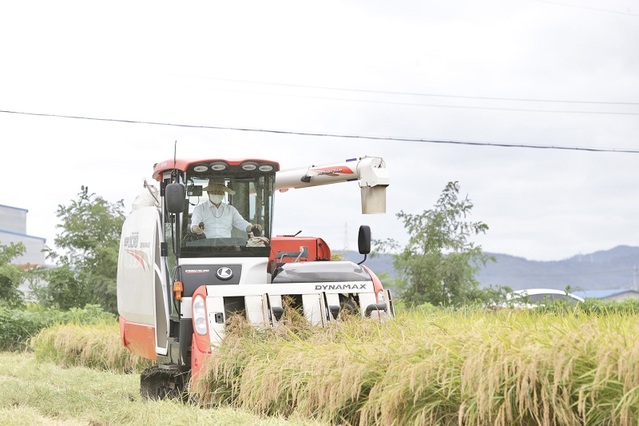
[14,208]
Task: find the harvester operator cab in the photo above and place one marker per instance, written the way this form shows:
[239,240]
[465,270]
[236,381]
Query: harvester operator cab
[222,208]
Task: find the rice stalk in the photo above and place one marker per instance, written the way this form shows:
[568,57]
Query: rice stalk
[443,367]
[96,346]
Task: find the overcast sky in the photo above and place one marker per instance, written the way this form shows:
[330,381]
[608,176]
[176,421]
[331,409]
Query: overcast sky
[494,72]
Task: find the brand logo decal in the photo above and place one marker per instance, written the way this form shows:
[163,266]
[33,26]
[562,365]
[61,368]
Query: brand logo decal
[224,273]
[340,287]
[141,257]
[196,271]
[333,171]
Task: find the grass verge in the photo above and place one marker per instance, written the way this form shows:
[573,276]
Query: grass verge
[43,393]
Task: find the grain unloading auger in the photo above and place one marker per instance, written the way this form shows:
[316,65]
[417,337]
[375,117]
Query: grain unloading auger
[176,289]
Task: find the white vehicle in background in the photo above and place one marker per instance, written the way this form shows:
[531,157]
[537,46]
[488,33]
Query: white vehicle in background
[534,297]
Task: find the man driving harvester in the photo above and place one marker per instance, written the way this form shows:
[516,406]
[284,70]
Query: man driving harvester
[214,218]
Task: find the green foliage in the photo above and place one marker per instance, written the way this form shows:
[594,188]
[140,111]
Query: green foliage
[17,326]
[88,254]
[11,276]
[62,289]
[439,262]
[591,306]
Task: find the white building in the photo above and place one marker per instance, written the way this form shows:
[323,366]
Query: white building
[13,229]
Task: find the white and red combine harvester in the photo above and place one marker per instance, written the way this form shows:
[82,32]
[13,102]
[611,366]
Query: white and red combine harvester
[176,290]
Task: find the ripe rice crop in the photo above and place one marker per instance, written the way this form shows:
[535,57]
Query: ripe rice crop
[470,367]
[96,346]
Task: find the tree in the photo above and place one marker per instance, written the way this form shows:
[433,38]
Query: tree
[87,263]
[439,262]
[11,276]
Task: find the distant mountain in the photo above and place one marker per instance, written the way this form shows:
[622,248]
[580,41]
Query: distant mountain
[379,263]
[611,269]
[617,268]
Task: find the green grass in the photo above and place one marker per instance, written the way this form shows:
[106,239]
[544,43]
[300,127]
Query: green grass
[43,393]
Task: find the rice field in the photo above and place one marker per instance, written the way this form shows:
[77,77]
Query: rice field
[95,346]
[430,367]
[468,367]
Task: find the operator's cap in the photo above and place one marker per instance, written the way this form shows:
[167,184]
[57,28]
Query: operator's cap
[213,185]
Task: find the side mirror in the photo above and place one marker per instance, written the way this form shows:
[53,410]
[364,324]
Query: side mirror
[364,239]
[174,195]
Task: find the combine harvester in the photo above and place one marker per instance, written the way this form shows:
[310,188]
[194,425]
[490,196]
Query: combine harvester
[176,289]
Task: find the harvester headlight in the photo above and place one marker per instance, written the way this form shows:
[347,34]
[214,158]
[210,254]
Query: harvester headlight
[199,316]
[381,297]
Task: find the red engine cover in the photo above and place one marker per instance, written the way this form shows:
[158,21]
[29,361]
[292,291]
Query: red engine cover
[317,248]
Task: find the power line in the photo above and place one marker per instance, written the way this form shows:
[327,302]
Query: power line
[332,135]
[419,94]
[369,101]
[432,95]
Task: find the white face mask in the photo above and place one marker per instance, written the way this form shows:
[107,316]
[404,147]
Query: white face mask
[216,199]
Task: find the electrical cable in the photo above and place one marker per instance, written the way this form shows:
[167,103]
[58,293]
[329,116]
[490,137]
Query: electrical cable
[370,101]
[333,135]
[418,94]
